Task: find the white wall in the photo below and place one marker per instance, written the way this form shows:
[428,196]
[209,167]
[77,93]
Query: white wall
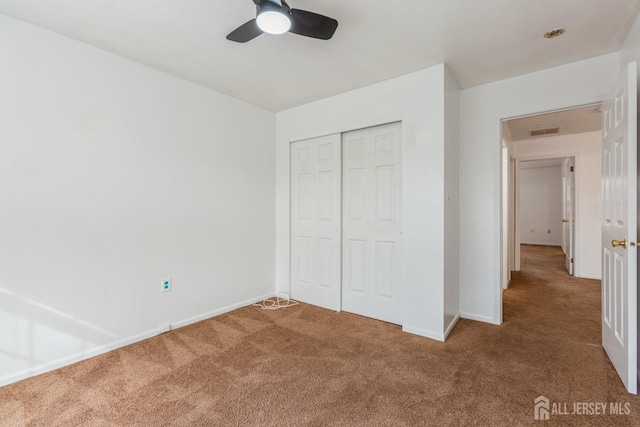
[113,176]
[541,206]
[631,47]
[416,99]
[588,172]
[481,109]
[452,203]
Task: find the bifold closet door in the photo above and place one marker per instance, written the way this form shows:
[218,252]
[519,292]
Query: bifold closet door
[372,216]
[315,221]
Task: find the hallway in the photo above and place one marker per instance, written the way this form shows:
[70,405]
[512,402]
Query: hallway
[561,310]
[559,319]
[562,317]
[544,288]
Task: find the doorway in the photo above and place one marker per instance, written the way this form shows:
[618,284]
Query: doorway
[544,201]
[617,225]
[568,139]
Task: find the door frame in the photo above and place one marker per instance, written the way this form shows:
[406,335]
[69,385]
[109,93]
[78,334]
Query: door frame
[516,213]
[498,119]
[569,229]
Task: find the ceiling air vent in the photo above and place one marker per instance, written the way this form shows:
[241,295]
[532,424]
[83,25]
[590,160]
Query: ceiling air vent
[554,33]
[539,132]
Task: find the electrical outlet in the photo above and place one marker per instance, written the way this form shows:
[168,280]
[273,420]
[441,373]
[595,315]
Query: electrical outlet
[166,284]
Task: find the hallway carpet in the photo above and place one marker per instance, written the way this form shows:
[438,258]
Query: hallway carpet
[306,366]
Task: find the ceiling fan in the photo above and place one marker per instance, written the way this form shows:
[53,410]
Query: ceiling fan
[276,17]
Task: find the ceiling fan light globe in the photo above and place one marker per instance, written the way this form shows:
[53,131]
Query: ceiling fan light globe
[273,21]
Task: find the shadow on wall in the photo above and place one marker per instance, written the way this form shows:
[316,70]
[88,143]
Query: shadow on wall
[32,332]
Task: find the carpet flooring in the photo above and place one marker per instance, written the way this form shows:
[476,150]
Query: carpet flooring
[306,366]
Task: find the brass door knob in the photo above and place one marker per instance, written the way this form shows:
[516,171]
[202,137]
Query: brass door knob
[621,243]
[564,220]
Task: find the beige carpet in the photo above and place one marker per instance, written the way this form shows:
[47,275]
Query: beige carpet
[308,366]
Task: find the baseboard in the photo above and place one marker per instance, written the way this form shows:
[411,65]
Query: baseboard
[218,312]
[430,334]
[424,333]
[74,358]
[588,276]
[540,244]
[452,324]
[78,357]
[479,318]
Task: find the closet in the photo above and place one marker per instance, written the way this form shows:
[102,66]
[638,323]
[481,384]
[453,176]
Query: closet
[346,221]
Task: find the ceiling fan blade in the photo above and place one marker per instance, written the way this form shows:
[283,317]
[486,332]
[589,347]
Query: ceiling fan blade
[311,24]
[275,2]
[245,32]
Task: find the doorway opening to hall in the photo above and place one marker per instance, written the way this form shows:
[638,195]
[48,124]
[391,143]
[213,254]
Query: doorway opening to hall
[552,171]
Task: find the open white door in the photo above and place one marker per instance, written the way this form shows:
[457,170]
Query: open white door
[315,221]
[619,227]
[568,212]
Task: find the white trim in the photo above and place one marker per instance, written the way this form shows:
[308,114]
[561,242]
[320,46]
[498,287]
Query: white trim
[479,318]
[214,313]
[516,214]
[588,276]
[452,324]
[438,336]
[541,244]
[505,265]
[497,308]
[78,357]
[339,129]
[74,358]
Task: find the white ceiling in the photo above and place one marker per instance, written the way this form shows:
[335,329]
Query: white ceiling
[481,41]
[577,120]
